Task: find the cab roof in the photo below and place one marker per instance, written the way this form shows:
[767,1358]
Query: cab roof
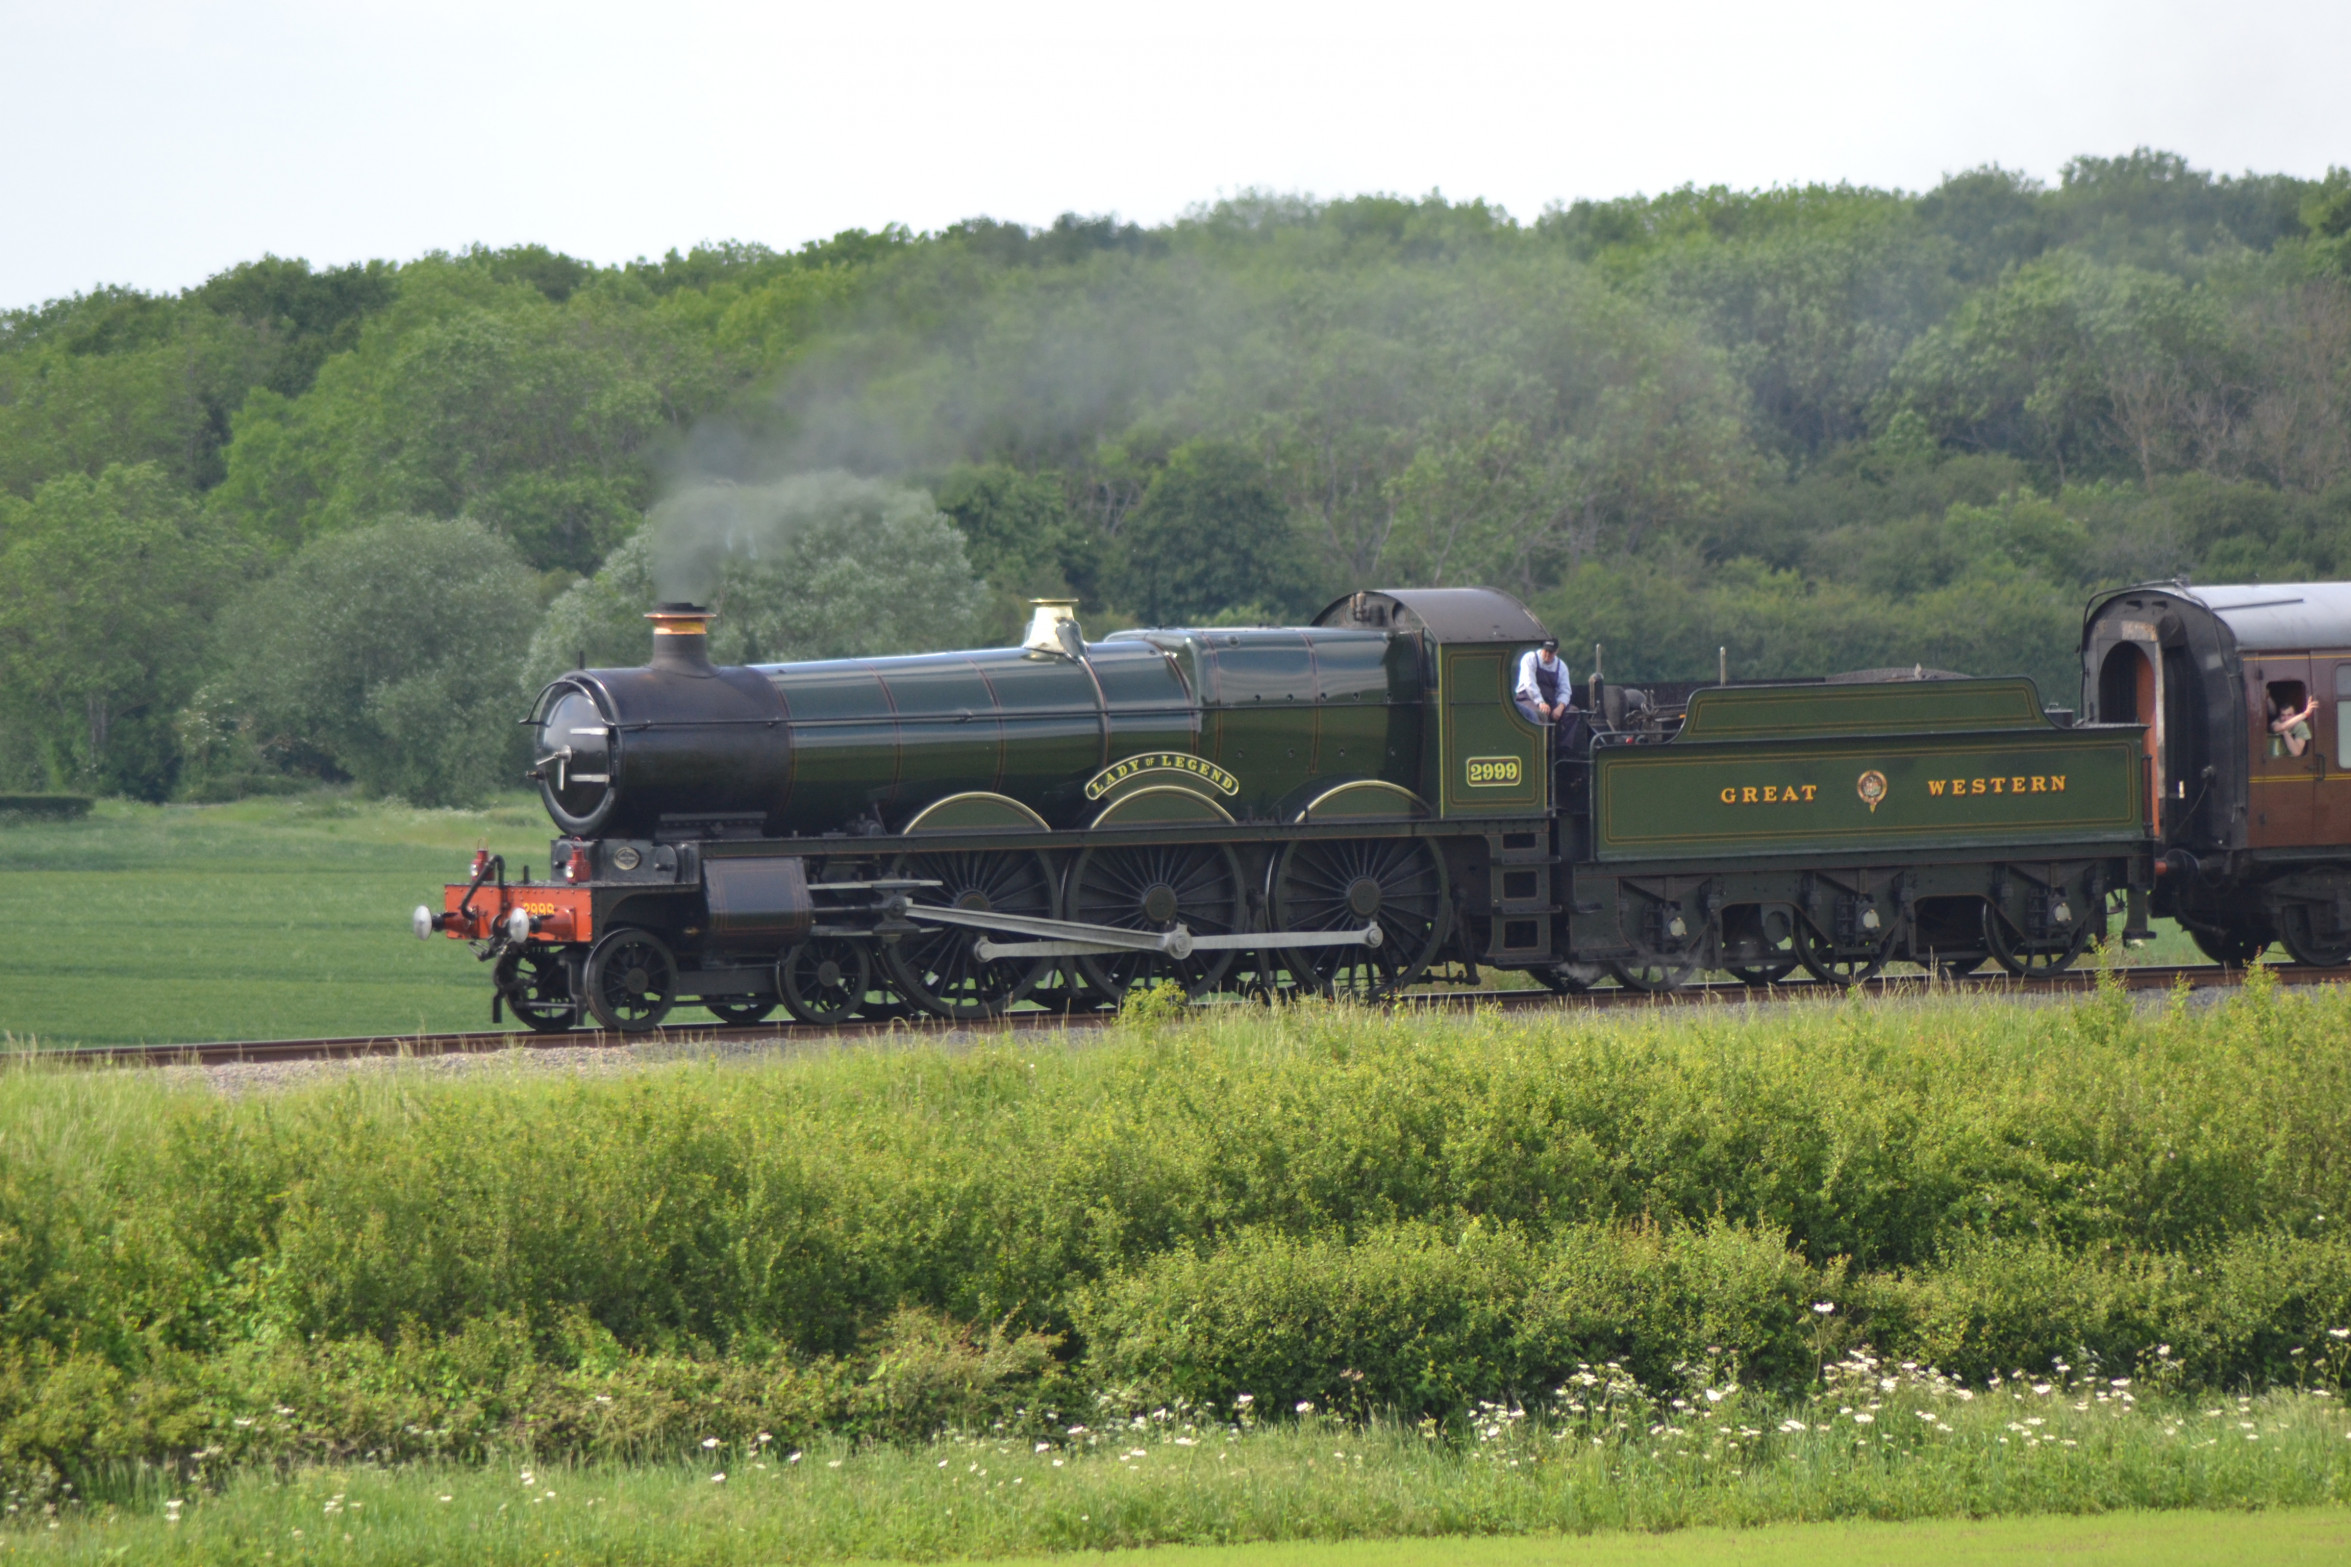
[1446,614]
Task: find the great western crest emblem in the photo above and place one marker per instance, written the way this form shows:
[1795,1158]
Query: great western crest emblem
[1871,786]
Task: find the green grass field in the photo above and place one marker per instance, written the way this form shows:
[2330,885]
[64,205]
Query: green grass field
[2274,1539]
[2258,1480]
[271,919]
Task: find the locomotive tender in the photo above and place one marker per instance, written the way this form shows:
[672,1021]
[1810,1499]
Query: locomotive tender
[1342,806]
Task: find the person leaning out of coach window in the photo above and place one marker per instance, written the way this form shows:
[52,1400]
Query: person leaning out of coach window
[1545,692]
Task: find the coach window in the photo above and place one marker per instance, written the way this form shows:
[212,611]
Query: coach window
[2343,716]
[2290,709]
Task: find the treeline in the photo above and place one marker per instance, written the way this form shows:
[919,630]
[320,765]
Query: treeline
[297,523]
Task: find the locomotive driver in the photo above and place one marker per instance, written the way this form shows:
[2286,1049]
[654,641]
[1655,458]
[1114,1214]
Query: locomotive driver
[1545,691]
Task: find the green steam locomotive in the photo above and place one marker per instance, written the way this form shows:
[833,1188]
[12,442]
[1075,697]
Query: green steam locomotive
[1340,807]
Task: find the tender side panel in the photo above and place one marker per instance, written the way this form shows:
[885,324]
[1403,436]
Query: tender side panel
[1889,796]
[1896,707]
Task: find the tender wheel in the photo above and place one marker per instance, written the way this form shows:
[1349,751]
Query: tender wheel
[823,981]
[2034,960]
[1197,886]
[536,985]
[631,980]
[1759,943]
[935,968]
[1569,979]
[1947,934]
[1655,971]
[2229,948]
[738,1014]
[1831,964]
[1345,884]
[2311,936]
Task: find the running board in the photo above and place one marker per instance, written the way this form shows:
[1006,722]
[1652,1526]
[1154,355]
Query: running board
[1069,938]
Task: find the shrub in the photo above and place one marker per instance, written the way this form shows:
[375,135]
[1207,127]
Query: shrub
[1411,1318]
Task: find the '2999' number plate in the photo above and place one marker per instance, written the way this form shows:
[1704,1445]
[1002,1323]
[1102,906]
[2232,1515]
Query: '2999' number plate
[1493,772]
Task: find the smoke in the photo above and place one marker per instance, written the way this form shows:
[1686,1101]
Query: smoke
[709,532]
[1034,366]
[1333,346]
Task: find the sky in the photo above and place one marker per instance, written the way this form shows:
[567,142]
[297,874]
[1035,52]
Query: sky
[153,145]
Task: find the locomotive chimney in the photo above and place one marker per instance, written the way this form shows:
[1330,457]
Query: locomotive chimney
[681,638]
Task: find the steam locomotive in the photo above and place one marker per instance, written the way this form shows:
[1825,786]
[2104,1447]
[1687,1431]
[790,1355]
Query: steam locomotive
[1346,806]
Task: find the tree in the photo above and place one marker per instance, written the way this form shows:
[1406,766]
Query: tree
[1020,534]
[1211,536]
[107,587]
[826,565]
[2082,367]
[475,396]
[394,649]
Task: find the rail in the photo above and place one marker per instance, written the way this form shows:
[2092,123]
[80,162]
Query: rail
[1725,992]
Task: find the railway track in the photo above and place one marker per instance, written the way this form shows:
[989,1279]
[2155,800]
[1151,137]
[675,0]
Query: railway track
[357,1046]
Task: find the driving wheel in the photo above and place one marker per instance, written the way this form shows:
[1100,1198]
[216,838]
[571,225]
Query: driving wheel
[1156,888]
[631,980]
[1334,884]
[935,967]
[536,985]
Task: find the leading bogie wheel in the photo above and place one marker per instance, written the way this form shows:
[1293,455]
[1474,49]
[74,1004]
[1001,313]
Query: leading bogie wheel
[535,983]
[631,979]
[1154,888]
[1347,884]
[936,967]
[824,979]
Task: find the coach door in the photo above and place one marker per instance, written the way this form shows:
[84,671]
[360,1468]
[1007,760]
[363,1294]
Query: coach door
[2283,808]
[2334,734]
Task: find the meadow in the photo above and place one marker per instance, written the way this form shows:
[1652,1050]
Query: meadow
[1914,1473]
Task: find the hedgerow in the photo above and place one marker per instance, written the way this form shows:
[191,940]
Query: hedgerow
[1399,1213]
